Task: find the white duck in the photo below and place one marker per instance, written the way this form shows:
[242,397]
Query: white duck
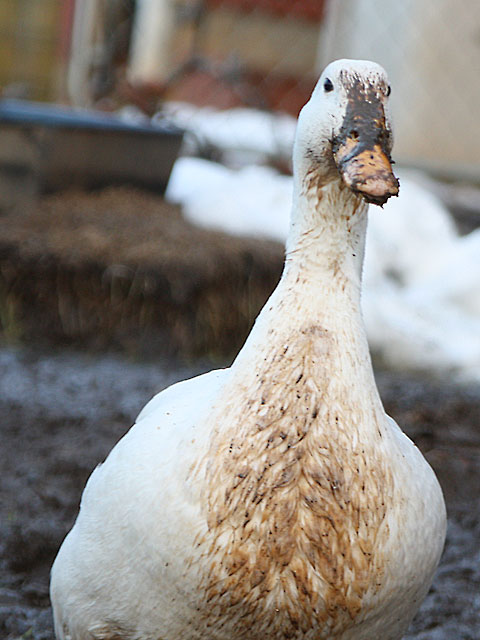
[274,499]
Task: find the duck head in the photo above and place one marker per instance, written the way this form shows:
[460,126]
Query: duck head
[345,133]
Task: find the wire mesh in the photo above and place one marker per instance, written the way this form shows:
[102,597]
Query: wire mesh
[431,50]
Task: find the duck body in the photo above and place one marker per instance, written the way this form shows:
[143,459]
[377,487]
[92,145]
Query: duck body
[274,499]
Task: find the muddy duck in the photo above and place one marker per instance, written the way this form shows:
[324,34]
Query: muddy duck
[273,499]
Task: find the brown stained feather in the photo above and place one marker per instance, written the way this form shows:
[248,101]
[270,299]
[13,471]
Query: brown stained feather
[112,631]
[295,509]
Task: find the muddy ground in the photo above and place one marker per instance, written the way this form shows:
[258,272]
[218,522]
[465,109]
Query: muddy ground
[63,411]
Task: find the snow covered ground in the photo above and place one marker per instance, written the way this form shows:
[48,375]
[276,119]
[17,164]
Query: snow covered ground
[421,298]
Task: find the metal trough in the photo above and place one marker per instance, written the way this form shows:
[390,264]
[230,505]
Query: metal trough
[46,148]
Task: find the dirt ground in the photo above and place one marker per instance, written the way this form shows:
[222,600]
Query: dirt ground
[63,411]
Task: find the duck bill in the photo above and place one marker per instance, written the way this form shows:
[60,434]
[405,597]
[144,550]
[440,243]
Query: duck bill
[365,167]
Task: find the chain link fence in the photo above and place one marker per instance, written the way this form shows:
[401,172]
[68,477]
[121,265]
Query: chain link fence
[431,50]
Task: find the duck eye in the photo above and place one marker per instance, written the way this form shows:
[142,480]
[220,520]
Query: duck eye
[389,90]
[328,85]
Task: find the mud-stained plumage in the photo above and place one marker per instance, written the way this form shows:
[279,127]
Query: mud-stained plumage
[274,499]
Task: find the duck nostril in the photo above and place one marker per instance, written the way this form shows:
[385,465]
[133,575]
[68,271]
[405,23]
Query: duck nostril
[354,134]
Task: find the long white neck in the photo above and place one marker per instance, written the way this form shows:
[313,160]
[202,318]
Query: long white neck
[327,230]
[321,283]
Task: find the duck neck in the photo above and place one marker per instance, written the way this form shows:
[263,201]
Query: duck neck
[327,231]
[321,284]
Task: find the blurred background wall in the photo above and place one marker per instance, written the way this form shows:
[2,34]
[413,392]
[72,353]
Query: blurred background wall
[264,53]
[431,50]
[34,47]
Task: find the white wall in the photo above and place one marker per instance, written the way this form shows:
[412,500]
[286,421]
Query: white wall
[431,50]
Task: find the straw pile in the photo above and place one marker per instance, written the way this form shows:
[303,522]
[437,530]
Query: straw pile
[121,268]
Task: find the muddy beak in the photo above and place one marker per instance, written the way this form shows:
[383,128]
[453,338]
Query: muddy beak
[363,160]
